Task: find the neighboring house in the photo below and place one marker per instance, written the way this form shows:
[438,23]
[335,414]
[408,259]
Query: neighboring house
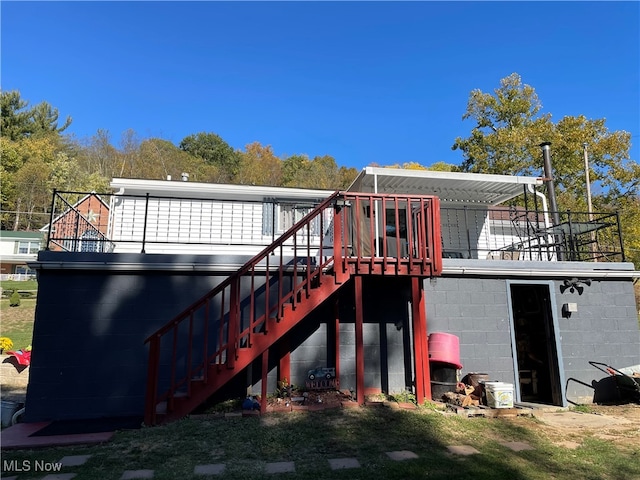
[16,250]
[80,225]
[209,290]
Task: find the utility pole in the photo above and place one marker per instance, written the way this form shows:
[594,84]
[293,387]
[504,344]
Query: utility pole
[586,174]
[589,206]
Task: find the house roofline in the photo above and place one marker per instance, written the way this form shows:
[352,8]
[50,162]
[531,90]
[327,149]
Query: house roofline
[220,191]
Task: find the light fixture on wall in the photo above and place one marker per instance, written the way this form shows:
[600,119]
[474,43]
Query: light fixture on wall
[575,285]
[568,309]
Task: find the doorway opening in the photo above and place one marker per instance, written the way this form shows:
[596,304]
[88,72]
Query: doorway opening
[536,348]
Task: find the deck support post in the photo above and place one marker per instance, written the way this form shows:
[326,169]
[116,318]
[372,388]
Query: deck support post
[265,371]
[421,349]
[336,332]
[284,364]
[359,341]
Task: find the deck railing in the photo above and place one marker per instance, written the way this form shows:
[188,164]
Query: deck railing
[514,233]
[212,331]
[154,224]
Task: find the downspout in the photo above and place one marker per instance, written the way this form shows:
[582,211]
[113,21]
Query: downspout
[545,212]
[540,195]
[113,202]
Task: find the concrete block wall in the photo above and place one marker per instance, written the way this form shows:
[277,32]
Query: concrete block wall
[475,310]
[89,359]
[604,329]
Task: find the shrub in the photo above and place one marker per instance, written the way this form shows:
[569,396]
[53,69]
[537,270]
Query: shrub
[14,300]
[5,343]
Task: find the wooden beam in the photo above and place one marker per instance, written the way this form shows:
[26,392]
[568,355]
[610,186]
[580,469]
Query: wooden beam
[359,341]
[284,364]
[265,371]
[336,330]
[418,315]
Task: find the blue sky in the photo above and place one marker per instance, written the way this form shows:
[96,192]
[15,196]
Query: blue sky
[364,82]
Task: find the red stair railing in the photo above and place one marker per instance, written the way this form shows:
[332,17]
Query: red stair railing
[290,265]
[347,236]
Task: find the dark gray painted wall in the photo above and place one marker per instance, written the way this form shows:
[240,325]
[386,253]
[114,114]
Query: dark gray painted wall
[604,329]
[89,359]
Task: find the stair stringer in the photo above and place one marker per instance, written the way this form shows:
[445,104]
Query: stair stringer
[220,374]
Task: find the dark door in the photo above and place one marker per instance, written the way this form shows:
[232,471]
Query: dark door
[536,349]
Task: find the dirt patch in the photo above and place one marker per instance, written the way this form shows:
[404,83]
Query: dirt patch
[311,399]
[617,424]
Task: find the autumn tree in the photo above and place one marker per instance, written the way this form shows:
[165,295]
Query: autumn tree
[259,166]
[320,172]
[509,127]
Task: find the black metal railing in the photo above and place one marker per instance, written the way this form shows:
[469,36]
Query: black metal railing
[147,223]
[513,233]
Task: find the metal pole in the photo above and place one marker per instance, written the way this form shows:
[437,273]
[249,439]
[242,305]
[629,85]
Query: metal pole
[586,174]
[548,173]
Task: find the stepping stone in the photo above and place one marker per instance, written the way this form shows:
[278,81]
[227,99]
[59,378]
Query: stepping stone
[74,460]
[342,463]
[211,469]
[462,450]
[59,476]
[131,474]
[401,455]
[517,446]
[280,467]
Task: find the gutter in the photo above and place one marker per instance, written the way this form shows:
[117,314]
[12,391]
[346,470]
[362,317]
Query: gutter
[449,269]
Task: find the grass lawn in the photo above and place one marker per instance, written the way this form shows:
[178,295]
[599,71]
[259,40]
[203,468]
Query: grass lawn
[14,285]
[310,439]
[17,322]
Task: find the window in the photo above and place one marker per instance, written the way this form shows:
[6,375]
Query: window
[277,218]
[24,270]
[289,215]
[28,247]
[89,241]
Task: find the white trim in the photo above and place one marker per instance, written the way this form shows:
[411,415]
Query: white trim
[553,307]
[460,176]
[452,188]
[218,191]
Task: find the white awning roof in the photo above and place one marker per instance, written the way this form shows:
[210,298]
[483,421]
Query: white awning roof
[450,187]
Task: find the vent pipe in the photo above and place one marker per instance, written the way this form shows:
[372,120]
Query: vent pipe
[551,188]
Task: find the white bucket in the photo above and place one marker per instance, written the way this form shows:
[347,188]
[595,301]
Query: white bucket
[499,394]
[7,409]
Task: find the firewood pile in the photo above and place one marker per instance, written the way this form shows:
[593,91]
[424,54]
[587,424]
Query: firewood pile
[464,396]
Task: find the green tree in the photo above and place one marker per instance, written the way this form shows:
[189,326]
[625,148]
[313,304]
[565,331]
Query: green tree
[214,151]
[509,128]
[14,116]
[18,120]
[45,119]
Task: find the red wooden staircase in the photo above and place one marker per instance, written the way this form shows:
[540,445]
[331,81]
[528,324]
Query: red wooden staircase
[222,333]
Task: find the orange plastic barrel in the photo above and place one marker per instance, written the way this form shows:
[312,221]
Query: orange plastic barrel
[445,348]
